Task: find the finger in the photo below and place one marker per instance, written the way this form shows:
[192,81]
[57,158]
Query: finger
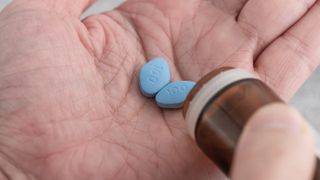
[276,144]
[287,63]
[266,20]
[232,7]
[75,7]
[71,7]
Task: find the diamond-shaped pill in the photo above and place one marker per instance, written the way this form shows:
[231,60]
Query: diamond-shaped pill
[153,76]
[174,94]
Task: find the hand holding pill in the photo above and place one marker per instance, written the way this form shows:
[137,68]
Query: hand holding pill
[70,104]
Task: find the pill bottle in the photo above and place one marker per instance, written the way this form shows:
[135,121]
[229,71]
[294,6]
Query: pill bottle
[218,108]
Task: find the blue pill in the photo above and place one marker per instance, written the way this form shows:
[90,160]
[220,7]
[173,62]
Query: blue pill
[174,94]
[154,76]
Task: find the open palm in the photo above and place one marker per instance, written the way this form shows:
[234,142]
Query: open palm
[70,107]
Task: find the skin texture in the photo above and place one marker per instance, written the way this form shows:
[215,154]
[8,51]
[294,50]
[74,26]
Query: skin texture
[70,107]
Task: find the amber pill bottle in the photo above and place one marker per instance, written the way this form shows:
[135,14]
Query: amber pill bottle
[218,108]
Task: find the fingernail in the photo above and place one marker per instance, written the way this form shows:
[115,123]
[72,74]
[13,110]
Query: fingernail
[277,117]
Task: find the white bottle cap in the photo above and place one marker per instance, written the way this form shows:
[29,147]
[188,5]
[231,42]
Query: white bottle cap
[209,90]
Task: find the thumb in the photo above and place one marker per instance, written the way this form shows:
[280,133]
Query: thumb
[276,144]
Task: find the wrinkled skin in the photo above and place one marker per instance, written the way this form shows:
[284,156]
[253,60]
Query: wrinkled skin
[70,107]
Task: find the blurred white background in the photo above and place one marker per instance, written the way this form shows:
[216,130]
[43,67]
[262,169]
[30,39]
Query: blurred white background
[306,100]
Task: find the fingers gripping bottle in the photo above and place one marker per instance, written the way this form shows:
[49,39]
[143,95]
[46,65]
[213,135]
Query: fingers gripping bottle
[218,108]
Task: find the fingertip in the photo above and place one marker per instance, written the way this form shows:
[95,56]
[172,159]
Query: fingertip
[277,143]
[278,116]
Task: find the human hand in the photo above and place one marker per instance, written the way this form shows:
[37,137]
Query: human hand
[276,144]
[70,107]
